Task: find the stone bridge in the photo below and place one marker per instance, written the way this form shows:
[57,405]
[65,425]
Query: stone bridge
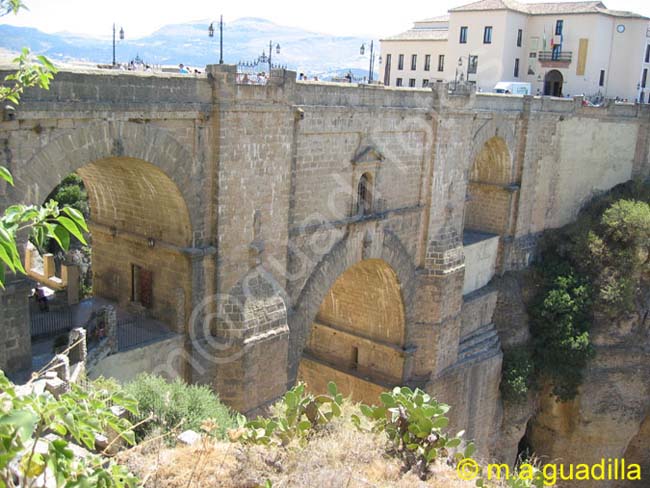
[312,230]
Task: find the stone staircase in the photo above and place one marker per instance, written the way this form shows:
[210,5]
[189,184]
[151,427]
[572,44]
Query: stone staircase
[479,345]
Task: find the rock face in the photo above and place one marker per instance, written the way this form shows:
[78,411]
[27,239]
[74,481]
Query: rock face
[609,418]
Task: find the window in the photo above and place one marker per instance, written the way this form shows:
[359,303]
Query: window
[364,195]
[414,62]
[532,55]
[534,43]
[644,78]
[487,35]
[463,35]
[601,81]
[387,70]
[355,357]
[441,62]
[412,82]
[559,25]
[472,67]
[516,73]
[398,82]
[647,53]
[400,62]
[520,35]
[427,62]
[425,83]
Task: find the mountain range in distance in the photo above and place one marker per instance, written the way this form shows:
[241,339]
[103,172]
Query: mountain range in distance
[245,39]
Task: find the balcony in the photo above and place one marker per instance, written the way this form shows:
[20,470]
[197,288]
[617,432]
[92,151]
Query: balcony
[553,59]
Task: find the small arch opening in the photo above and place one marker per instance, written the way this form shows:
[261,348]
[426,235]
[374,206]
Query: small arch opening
[364,194]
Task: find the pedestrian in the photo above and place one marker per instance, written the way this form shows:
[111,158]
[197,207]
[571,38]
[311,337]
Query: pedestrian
[41,298]
[182,69]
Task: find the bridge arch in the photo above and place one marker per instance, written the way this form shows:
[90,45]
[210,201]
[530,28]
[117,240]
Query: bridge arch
[140,219]
[352,320]
[488,188]
[76,148]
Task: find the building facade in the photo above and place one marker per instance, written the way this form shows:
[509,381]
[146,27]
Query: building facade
[561,49]
[416,58]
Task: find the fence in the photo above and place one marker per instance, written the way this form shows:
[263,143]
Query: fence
[44,323]
[135,332]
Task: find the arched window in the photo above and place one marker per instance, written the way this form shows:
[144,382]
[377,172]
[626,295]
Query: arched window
[364,195]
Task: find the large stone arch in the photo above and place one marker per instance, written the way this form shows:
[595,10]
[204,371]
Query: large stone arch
[488,188]
[356,250]
[499,126]
[75,148]
[143,211]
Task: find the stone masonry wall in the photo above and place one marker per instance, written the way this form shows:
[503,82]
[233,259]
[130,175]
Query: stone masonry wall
[265,179]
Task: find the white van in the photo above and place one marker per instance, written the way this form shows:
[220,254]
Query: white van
[513,87]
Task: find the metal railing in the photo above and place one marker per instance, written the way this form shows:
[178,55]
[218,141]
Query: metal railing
[135,332]
[563,56]
[252,78]
[48,323]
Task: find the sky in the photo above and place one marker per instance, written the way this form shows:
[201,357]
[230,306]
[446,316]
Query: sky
[371,18]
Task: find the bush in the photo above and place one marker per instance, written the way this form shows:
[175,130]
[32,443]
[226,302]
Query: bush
[517,374]
[76,416]
[414,423]
[72,192]
[591,267]
[177,406]
[298,414]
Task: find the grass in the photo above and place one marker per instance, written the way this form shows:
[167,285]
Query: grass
[337,456]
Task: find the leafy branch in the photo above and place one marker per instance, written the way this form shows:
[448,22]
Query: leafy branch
[32,71]
[11,6]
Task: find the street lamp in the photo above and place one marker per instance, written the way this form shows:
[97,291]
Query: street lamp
[121,39]
[264,59]
[211,34]
[371,68]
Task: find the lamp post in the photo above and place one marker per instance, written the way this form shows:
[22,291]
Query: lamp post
[371,68]
[121,38]
[211,34]
[264,59]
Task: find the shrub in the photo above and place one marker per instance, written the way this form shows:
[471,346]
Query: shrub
[591,267]
[560,329]
[177,405]
[78,416]
[517,374]
[298,414]
[414,423]
[72,192]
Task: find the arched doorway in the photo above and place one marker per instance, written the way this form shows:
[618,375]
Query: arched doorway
[357,336]
[553,83]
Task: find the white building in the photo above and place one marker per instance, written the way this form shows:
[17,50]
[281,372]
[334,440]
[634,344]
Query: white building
[416,57]
[562,49]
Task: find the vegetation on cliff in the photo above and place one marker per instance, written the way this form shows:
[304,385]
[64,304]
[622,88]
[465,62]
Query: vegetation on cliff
[588,270]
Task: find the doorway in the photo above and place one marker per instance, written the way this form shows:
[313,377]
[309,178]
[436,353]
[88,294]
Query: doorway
[553,83]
